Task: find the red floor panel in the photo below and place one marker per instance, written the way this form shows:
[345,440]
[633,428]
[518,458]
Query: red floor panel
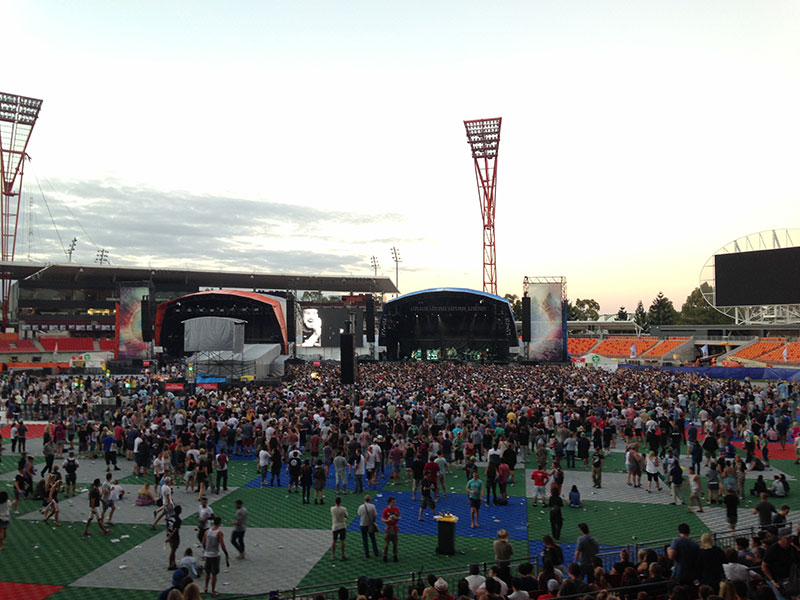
[34,431]
[26,591]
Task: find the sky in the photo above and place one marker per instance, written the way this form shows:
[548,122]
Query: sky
[638,137]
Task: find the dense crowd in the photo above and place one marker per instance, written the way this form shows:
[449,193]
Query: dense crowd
[419,422]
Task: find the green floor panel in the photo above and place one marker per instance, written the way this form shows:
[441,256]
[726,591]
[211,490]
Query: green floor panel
[10,462]
[415,552]
[36,553]
[615,522]
[275,507]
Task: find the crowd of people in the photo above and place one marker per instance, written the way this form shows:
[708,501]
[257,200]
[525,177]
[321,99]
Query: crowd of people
[418,422]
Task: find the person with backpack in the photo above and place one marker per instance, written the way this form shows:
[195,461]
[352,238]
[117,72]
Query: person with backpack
[295,466]
[70,466]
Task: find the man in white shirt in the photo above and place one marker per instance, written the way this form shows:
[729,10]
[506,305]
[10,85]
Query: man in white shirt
[263,463]
[368,518]
[475,579]
[167,504]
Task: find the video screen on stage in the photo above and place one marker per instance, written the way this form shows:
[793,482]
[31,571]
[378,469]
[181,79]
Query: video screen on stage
[129,323]
[547,323]
[758,278]
[322,325]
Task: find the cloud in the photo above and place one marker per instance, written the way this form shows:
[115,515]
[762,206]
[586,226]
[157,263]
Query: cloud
[141,225]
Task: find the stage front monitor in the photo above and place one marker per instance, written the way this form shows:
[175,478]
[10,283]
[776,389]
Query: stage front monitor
[758,278]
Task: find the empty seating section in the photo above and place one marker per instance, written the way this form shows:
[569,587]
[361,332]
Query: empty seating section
[580,346]
[106,345]
[66,344]
[776,356]
[757,349]
[663,348]
[17,345]
[621,347]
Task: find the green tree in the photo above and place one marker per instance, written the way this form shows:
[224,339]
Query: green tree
[640,318]
[696,311]
[583,310]
[662,311]
[622,314]
[516,305]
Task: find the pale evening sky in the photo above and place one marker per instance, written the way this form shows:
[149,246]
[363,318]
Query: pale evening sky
[638,137]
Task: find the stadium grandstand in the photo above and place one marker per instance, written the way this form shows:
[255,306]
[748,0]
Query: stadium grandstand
[624,347]
[792,350]
[664,347]
[759,348]
[580,346]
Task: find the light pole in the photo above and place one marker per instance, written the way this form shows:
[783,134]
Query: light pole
[102,257]
[71,249]
[375,264]
[397,260]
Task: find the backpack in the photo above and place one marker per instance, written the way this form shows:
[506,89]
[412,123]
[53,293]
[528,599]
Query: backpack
[71,466]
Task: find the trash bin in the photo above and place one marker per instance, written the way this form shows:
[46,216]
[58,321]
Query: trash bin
[446,529]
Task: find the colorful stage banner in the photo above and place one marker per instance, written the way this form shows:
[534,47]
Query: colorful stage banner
[129,323]
[547,323]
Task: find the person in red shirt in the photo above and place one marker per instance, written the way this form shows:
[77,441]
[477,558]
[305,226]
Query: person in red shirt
[540,479]
[390,518]
[431,473]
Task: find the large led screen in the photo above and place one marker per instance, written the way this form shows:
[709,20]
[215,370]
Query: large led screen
[322,325]
[129,323]
[758,278]
[547,330]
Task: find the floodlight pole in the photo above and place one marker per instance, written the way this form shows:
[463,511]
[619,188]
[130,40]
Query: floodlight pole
[397,260]
[18,115]
[483,137]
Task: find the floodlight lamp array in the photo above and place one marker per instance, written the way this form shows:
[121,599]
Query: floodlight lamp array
[19,109]
[483,136]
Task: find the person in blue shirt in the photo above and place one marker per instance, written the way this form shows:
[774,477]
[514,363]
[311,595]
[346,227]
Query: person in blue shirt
[575,498]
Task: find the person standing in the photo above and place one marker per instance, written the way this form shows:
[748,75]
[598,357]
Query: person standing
[306,477]
[205,516]
[390,517]
[368,521]
[5,518]
[676,483]
[475,495]
[222,471]
[174,523]
[359,470]
[731,501]
[320,478]
[239,528]
[22,432]
[556,518]
[263,464]
[213,542]
[338,527]
[684,552]
[426,497]
[586,549]
[597,467]
[340,467]
[49,452]
[695,490]
[70,467]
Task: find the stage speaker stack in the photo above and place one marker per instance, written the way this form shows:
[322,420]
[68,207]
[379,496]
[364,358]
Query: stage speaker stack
[291,322]
[146,313]
[370,318]
[347,346]
[526,318]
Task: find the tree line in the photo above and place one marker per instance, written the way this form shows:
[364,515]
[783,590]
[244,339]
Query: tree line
[694,311]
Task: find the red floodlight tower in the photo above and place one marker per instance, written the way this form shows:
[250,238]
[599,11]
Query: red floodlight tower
[18,115]
[483,136]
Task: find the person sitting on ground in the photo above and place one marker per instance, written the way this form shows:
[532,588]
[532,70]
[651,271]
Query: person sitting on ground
[575,498]
[145,497]
[189,562]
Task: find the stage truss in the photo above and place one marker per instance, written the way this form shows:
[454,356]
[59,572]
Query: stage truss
[483,137]
[18,115]
[771,239]
[527,281]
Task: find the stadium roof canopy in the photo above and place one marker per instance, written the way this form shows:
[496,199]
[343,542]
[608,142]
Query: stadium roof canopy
[103,275]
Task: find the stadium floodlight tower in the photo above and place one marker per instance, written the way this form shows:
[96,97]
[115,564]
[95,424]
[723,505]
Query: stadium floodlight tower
[18,115]
[483,136]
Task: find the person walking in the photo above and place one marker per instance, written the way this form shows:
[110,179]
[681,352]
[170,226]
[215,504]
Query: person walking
[306,477]
[222,471]
[676,483]
[731,501]
[695,490]
[94,508]
[239,528]
[70,467]
[213,542]
[475,495]
[597,467]
[5,518]
[390,517]
[338,527]
[368,521]
[320,478]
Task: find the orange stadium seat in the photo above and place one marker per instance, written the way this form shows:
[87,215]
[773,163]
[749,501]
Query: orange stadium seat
[776,356]
[580,346]
[663,348]
[621,347]
[759,348]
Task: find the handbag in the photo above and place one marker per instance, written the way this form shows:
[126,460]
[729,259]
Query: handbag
[373,528]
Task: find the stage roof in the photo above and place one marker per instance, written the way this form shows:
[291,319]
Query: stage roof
[101,275]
